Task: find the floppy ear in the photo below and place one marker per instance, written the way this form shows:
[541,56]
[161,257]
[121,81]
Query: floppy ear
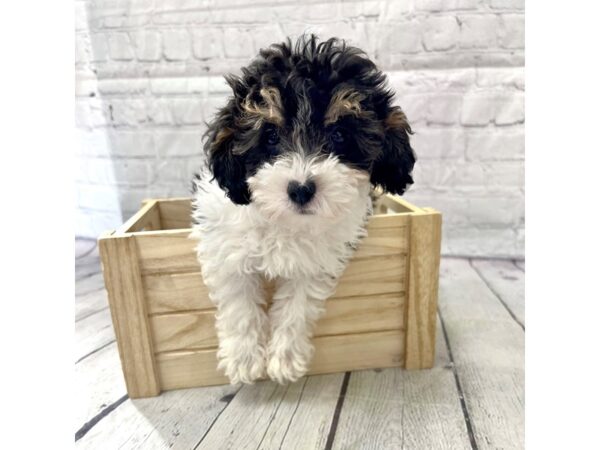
[393,169]
[228,168]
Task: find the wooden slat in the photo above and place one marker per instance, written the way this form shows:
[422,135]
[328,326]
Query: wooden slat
[173,251]
[332,354]
[398,204]
[195,330]
[423,274]
[146,218]
[176,292]
[129,315]
[363,277]
[175,213]
[488,350]
[168,251]
[395,409]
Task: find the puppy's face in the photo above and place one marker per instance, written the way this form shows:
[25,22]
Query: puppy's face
[306,131]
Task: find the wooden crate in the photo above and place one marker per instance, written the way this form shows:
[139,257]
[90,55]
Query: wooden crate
[382,314]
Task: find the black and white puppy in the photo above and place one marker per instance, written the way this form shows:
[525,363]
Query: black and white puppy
[291,161]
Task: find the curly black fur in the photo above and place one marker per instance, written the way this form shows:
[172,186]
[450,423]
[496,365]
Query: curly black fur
[306,77]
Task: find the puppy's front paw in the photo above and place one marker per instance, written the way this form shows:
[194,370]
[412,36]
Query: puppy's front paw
[243,367]
[288,366]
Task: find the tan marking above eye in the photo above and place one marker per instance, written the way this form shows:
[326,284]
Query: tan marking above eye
[270,109]
[345,102]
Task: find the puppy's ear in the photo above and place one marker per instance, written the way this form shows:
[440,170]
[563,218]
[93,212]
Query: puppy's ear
[393,169]
[228,168]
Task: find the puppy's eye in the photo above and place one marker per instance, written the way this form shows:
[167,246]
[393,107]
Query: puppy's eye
[337,136]
[272,136]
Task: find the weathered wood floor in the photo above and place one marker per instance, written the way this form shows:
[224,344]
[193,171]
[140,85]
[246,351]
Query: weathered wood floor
[472,398]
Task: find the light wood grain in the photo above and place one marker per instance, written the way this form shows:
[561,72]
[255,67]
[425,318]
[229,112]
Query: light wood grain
[398,409]
[175,213]
[174,292]
[332,354]
[363,277]
[488,350]
[398,204]
[172,251]
[507,281]
[98,383]
[90,296]
[146,218]
[267,416]
[93,332]
[421,305]
[196,330]
[129,315]
[175,420]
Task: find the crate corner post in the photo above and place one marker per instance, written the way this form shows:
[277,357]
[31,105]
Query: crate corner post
[422,292]
[123,281]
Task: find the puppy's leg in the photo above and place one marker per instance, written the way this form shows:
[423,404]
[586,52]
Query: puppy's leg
[241,327]
[297,304]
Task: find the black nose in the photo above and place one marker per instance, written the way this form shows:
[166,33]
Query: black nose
[301,194]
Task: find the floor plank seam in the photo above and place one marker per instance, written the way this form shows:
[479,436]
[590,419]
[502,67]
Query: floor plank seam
[489,286]
[91,314]
[87,275]
[89,291]
[293,414]
[98,417]
[461,396]
[517,266]
[273,416]
[337,412]
[95,351]
[217,418]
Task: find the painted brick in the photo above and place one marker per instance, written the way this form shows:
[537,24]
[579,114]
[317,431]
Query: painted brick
[178,143]
[496,145]
[439,144]
[512,31]
[510,109]
[401,38]
[147,45]
[176,45]
[208,43]
[478,31]
[119,47]
[441,33]
[444,109]
[477,109]
[238,43]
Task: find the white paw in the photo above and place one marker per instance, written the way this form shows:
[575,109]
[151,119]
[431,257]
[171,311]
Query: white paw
[288,367]
[243,366]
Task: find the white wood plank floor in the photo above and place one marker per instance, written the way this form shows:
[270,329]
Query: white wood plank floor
[472,399]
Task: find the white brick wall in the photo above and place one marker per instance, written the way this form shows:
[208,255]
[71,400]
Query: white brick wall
[149,74]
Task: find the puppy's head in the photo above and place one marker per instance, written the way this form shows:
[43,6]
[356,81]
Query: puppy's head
[307,128]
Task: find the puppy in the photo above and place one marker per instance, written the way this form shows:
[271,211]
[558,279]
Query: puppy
[291,159]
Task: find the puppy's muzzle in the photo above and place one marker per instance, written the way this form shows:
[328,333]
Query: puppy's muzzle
[301,194]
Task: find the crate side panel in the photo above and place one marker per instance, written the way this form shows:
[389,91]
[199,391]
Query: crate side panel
[374,275]
[174,292]
[175,213]
[196,330]
[332,354]
[167,252]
